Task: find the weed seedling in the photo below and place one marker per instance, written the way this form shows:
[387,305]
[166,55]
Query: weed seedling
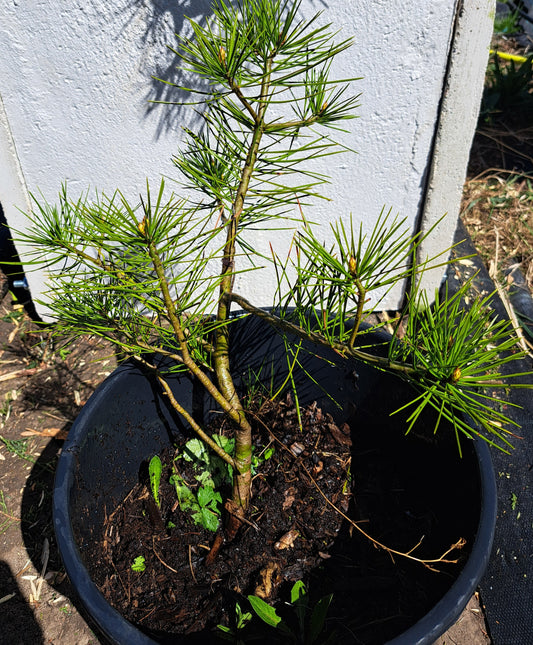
[241,619]
[18,447]
[204,505]
[155,468]
[310,621]
[138,564]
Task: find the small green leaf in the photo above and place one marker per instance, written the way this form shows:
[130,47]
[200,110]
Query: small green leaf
[209,519]
[214,503]
[226,443]
[299,602]
[155,468]
[205,479]
[205,495]
[298,591]
[242,617]
[318,617]
[138,564]
[186,497]
[266,612]
[195,449]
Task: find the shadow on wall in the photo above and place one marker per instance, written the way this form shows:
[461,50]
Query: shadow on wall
[164,18]
[168,17]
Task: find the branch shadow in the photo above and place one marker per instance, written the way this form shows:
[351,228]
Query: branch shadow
[164,21]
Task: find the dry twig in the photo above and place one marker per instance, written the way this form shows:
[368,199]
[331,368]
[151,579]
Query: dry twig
[493,272]
[428,563]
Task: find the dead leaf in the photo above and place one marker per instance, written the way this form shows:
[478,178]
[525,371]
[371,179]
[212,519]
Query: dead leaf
[297,448]
[287,541]
[317,468]
[290,496]
[269,579]
[56,433]
[341,435]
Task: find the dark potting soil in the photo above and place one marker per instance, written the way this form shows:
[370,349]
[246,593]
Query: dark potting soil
[401,491]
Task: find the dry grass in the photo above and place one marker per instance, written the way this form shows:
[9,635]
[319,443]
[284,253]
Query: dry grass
[497,206]
[498,213]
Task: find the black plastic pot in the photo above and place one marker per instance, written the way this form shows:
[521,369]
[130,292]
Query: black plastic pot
[127,420]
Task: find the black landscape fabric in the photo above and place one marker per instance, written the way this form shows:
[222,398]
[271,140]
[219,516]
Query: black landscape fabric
[507,587]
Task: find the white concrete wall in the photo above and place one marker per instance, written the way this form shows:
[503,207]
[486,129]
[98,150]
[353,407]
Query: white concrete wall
[453,134]
[75,81]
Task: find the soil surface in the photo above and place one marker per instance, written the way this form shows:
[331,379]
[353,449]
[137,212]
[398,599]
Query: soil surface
[291,524]
[298,530]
